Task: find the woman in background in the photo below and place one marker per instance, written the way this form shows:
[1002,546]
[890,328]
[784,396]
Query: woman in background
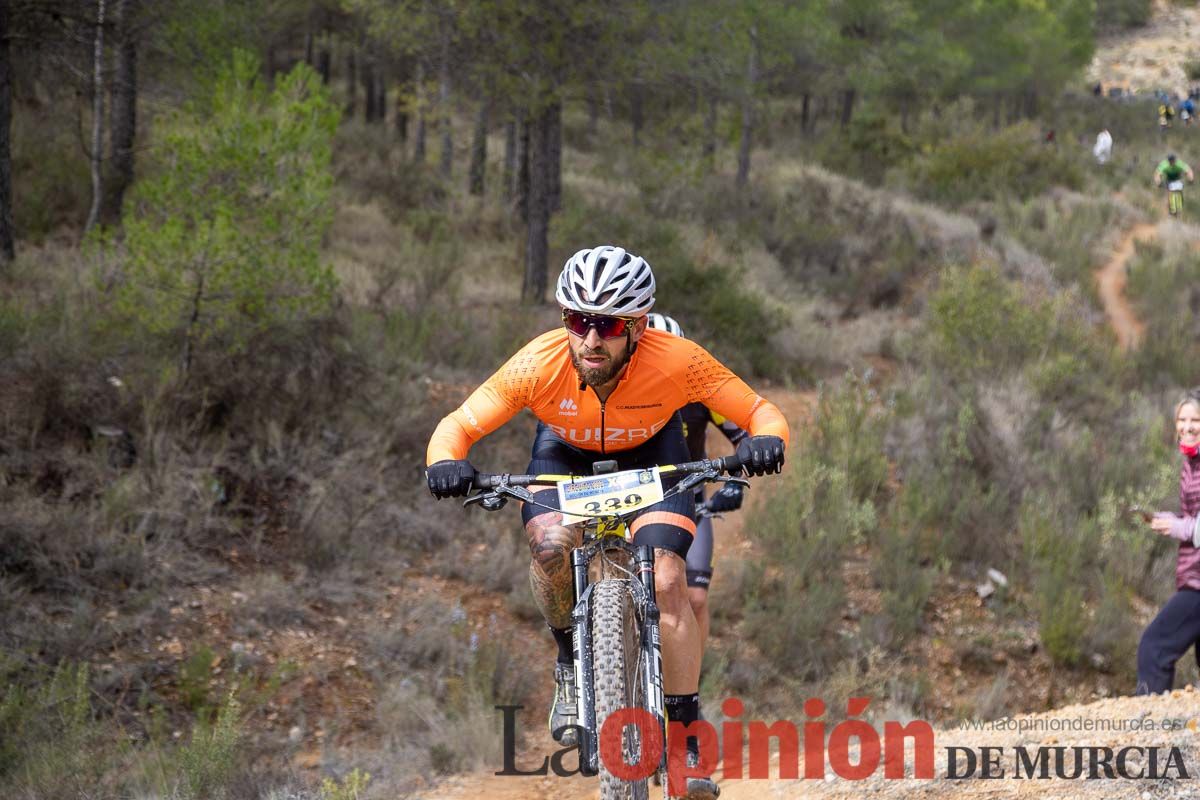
[1177,626]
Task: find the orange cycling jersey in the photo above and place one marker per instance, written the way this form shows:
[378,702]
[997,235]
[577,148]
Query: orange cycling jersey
[664,374]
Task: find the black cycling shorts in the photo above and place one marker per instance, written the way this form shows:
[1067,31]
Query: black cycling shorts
[668,524]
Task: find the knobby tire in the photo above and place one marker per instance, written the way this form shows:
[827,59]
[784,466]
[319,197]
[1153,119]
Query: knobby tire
[616,649]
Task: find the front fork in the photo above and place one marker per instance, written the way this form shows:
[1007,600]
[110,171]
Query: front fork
[652,682]
[652,686]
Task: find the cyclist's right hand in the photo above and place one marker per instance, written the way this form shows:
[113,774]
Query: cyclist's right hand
[450,478]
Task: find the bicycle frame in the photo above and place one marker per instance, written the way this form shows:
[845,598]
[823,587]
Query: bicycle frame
[603,533]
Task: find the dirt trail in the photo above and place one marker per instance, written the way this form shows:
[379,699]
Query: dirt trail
[1111,281]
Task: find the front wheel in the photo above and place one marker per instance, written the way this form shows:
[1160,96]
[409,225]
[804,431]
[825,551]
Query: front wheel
[616,650]
[1175,203]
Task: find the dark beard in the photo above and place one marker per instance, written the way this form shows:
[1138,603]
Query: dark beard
[601,375]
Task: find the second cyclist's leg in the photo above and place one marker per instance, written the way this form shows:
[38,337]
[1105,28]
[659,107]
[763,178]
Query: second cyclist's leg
[699,575]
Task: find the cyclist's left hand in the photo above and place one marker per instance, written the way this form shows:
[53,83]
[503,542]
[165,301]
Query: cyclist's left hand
[728,499]
[761,455]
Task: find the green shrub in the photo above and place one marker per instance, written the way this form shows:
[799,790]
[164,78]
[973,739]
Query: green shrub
[845,424]
[906,584]
[804,532]
[212,757]
[1123,13]
[223,239]
[978,323]
[1163,287]
[352,787]
[981,165]
[830,234]
[50,183]
[1055,547]
[1192,68]
[872,144]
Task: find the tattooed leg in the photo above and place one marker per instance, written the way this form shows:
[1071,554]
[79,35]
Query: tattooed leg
[550,544]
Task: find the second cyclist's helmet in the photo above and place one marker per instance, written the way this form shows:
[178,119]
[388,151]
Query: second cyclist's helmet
[606,280]
[1171,157]
[662,322]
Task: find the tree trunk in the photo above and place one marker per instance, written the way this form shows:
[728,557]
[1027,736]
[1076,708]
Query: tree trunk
[97,153]
[479,151]
[308,48]
[444,108]
[804,115]
[709,150]
[848,97]
[554,156]
[510,159]
[7,238]
[123,113]
[324,60]
[351,85]
[537,243]
[367,76]
[636,112]
[419,139]
[380,97]
[743,167]
[521,200]
[402,114]
[593,108]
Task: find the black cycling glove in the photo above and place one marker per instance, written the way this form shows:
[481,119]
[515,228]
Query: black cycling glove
[728,499]
[450,478]
[761,455]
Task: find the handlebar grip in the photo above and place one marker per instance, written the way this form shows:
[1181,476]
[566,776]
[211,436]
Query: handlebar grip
[731,464]
[485,480]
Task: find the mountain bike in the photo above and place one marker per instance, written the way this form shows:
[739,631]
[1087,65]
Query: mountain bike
[1174,198]
[615,621]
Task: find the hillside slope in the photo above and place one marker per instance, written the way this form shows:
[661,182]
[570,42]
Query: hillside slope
[1144,59]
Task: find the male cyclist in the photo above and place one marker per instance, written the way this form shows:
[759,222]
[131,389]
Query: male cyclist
[605,387]
[1174,171]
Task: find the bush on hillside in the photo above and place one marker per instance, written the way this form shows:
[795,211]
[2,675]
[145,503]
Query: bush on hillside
[1123,13]
[981,165]
[218,246]
[823,507]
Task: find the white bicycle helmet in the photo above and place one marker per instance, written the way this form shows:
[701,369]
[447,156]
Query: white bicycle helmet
[661,322]
[606,280]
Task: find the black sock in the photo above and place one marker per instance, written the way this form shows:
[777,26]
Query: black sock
[562,637]
[684,708]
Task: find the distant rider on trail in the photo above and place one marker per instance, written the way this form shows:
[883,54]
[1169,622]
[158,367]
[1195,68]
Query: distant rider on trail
[1173,171]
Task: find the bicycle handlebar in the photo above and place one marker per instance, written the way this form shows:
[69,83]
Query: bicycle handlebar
[488,480]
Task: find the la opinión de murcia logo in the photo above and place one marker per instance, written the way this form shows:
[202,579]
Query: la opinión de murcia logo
[853,749]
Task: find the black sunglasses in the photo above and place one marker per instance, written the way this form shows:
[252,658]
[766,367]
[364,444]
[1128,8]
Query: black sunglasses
[578,323]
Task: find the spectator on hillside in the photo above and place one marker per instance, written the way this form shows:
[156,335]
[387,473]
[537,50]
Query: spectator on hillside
[1166,113]
[1103,148]
[1176,629]
[1187,110]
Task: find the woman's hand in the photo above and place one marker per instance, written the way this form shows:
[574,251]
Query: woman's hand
[1181,528]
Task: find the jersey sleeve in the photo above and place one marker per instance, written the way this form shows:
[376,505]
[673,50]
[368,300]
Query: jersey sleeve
[499,399]
[706,380]
[727,427]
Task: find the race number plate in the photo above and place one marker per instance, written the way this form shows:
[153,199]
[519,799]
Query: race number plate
[618,493]
[1175,186]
